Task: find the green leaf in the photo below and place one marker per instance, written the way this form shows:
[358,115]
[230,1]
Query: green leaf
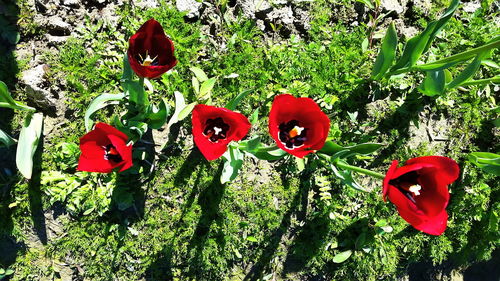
[254,118]
[342,256]
[433,84]
[442,22]
[200,74]
[98,103]
[331,148]
[6,139]
[468,72]
[487,161]
[157,117]
[252,239]
[134,90]
[186,111]
[127,70]
[5,95]
[386,54]
[206,88]
[28,143]
[347,178]
[231,105]
[196,85]
[232,165]
[269,155]
[251,144]
[301,165]
[419,44]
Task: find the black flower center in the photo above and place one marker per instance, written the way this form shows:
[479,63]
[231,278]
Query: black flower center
[408,185]
[215,129]
[147,60]
[291,134]
[111,154]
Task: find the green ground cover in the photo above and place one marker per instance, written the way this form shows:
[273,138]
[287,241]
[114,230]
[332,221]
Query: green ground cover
[271,222]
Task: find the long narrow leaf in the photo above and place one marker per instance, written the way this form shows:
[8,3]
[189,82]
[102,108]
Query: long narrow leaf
[6,139]
[468,72]
[98,103]
[387,53]
[231,105]
[5,95]
[448,13]
[28,143]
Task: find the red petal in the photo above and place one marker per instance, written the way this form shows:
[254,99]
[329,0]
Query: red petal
[388,177]
[285,108]
[238,128]
[447,169]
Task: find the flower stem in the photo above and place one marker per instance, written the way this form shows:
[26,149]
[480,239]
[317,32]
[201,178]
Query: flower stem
[360,170]
[495,79]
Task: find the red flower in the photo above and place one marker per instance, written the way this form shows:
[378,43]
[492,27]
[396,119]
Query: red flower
[104,149]
[150,51]
[298,125]
[419,190]
[215,127]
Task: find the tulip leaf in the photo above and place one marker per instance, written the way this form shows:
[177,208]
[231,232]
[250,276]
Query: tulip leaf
[342,256]
[156,117]
[6,139]
[134,90]
[264,153]
[28,143]
[331,148]
[199,73]
[98,103]
[419,44]
[206,89]
[487,161]
[231,105]
[347,179]
[5,95]
[251,144]
[127,70]
[196,85]
[232,165]
[433,84]
[386,54]
[186,111]
[468,72]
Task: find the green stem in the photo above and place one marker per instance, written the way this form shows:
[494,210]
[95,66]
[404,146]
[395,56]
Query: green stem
[360,170]
[455,58]
[495,79]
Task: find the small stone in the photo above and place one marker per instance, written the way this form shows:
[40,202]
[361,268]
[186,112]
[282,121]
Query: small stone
[471,7]
[147,4]
[191,6]
[33,79]
[56,26]
[70,3]
[394,5]
[285,15]
[56,40]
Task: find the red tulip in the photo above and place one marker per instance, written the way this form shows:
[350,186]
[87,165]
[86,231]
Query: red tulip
[215,127]
[150,51]
[104,149]
[298,125]
[419,190]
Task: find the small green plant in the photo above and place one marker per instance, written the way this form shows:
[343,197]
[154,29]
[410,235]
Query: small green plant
[438,77]
[5,272]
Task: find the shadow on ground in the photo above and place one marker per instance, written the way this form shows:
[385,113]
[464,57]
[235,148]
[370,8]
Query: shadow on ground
[9,36]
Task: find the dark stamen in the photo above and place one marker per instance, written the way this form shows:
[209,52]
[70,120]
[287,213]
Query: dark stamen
[111,154]
[291,134]
[215,129]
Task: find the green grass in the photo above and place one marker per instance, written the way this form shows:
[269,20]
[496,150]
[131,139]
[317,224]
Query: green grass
[182,224]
